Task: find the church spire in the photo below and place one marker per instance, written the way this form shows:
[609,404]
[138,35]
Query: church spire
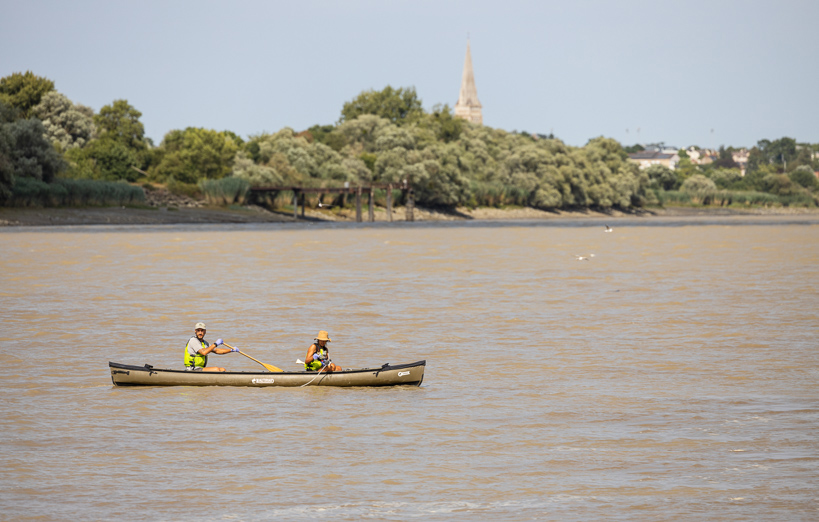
[468,106]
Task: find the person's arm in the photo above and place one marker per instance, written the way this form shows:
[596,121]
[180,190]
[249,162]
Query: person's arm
[214,347]
[310,353]
[206,350]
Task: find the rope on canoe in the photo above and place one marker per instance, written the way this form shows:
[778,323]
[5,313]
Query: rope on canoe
[314,378]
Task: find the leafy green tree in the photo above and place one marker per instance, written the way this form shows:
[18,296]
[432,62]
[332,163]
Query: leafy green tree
[781,185]
[6,178]
[779,152]
[361,133]
[399,106]
[194,154]
[663,177]
[782,151]
[328,135]
[310,161]
[756,159]
[81,165]
[120,122]
[804,157]
[393,137]
[23,91]
[433,174]
[728,179]
[27,153]
[804,176]
[753,179]
[320,132]
[67,125]
[725,159]
[685,169]
[113,160]
[257,175]
[698,184]
[369,160]
[446,126]
[6,165]
[612,180]
[8,113]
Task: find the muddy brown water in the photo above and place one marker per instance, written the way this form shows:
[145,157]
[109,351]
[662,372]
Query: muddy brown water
[671,376]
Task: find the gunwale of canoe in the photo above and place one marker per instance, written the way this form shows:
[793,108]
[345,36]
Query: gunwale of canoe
[411,374]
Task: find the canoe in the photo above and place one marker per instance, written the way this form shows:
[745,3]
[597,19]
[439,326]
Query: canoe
[411,374]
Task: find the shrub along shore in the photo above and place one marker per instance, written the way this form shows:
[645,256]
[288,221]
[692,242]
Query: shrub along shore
[56,153]
[178,211]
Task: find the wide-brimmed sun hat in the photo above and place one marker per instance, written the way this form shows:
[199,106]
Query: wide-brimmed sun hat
[323,336]
[200,326]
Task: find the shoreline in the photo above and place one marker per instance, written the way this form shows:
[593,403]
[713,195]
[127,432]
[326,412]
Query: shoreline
[50,217]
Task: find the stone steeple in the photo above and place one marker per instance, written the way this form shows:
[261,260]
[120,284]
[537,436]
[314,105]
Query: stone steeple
[468,106]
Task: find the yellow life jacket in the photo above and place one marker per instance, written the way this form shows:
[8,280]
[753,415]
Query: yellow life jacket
[198,360]
[321,355]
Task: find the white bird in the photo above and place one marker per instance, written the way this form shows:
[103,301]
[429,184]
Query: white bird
[609,229]
[584,258]
[321,205]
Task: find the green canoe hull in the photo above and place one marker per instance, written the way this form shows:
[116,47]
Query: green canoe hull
[387,375]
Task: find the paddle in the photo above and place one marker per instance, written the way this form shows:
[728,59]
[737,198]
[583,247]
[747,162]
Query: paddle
[268,367]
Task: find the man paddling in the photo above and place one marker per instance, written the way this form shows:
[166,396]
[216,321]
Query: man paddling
[197,350]
[318,355]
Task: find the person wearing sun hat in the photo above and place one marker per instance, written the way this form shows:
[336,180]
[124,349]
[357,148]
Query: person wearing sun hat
[197,350]
[318,355]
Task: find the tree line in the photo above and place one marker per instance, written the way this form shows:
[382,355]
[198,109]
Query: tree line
[381,136]
[781,167]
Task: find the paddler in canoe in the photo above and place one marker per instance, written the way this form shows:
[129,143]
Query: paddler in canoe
[197,350]
[318,355]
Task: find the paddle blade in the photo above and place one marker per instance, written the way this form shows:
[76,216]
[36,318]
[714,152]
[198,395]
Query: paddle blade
[268,367]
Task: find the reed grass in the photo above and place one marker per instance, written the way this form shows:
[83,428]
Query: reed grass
[29,192]
[225,191]
[492,194]
[729,198]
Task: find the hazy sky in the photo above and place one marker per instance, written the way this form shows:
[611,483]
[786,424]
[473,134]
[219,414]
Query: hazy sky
[684,72]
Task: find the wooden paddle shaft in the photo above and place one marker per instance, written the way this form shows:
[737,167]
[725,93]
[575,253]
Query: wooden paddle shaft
[268,367]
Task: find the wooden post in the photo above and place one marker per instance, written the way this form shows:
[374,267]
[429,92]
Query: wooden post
[371,211]
[410,205]
[295,204]
[389,201]
[302,204]
[358,205]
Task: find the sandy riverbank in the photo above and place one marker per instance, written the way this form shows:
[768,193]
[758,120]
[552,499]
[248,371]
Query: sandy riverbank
[251,214]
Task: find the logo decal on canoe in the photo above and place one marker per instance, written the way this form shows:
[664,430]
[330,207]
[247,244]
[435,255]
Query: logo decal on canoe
[262,381]
[401,374]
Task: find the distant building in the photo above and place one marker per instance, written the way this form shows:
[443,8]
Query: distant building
[647,158]
[701,156]
[708,156]
[468,106]
[740,157]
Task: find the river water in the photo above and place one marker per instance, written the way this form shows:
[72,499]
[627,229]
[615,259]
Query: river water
[672,376]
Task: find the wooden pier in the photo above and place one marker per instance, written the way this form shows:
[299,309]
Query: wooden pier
[299,199]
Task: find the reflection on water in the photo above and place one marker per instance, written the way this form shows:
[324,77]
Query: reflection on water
[672,375]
